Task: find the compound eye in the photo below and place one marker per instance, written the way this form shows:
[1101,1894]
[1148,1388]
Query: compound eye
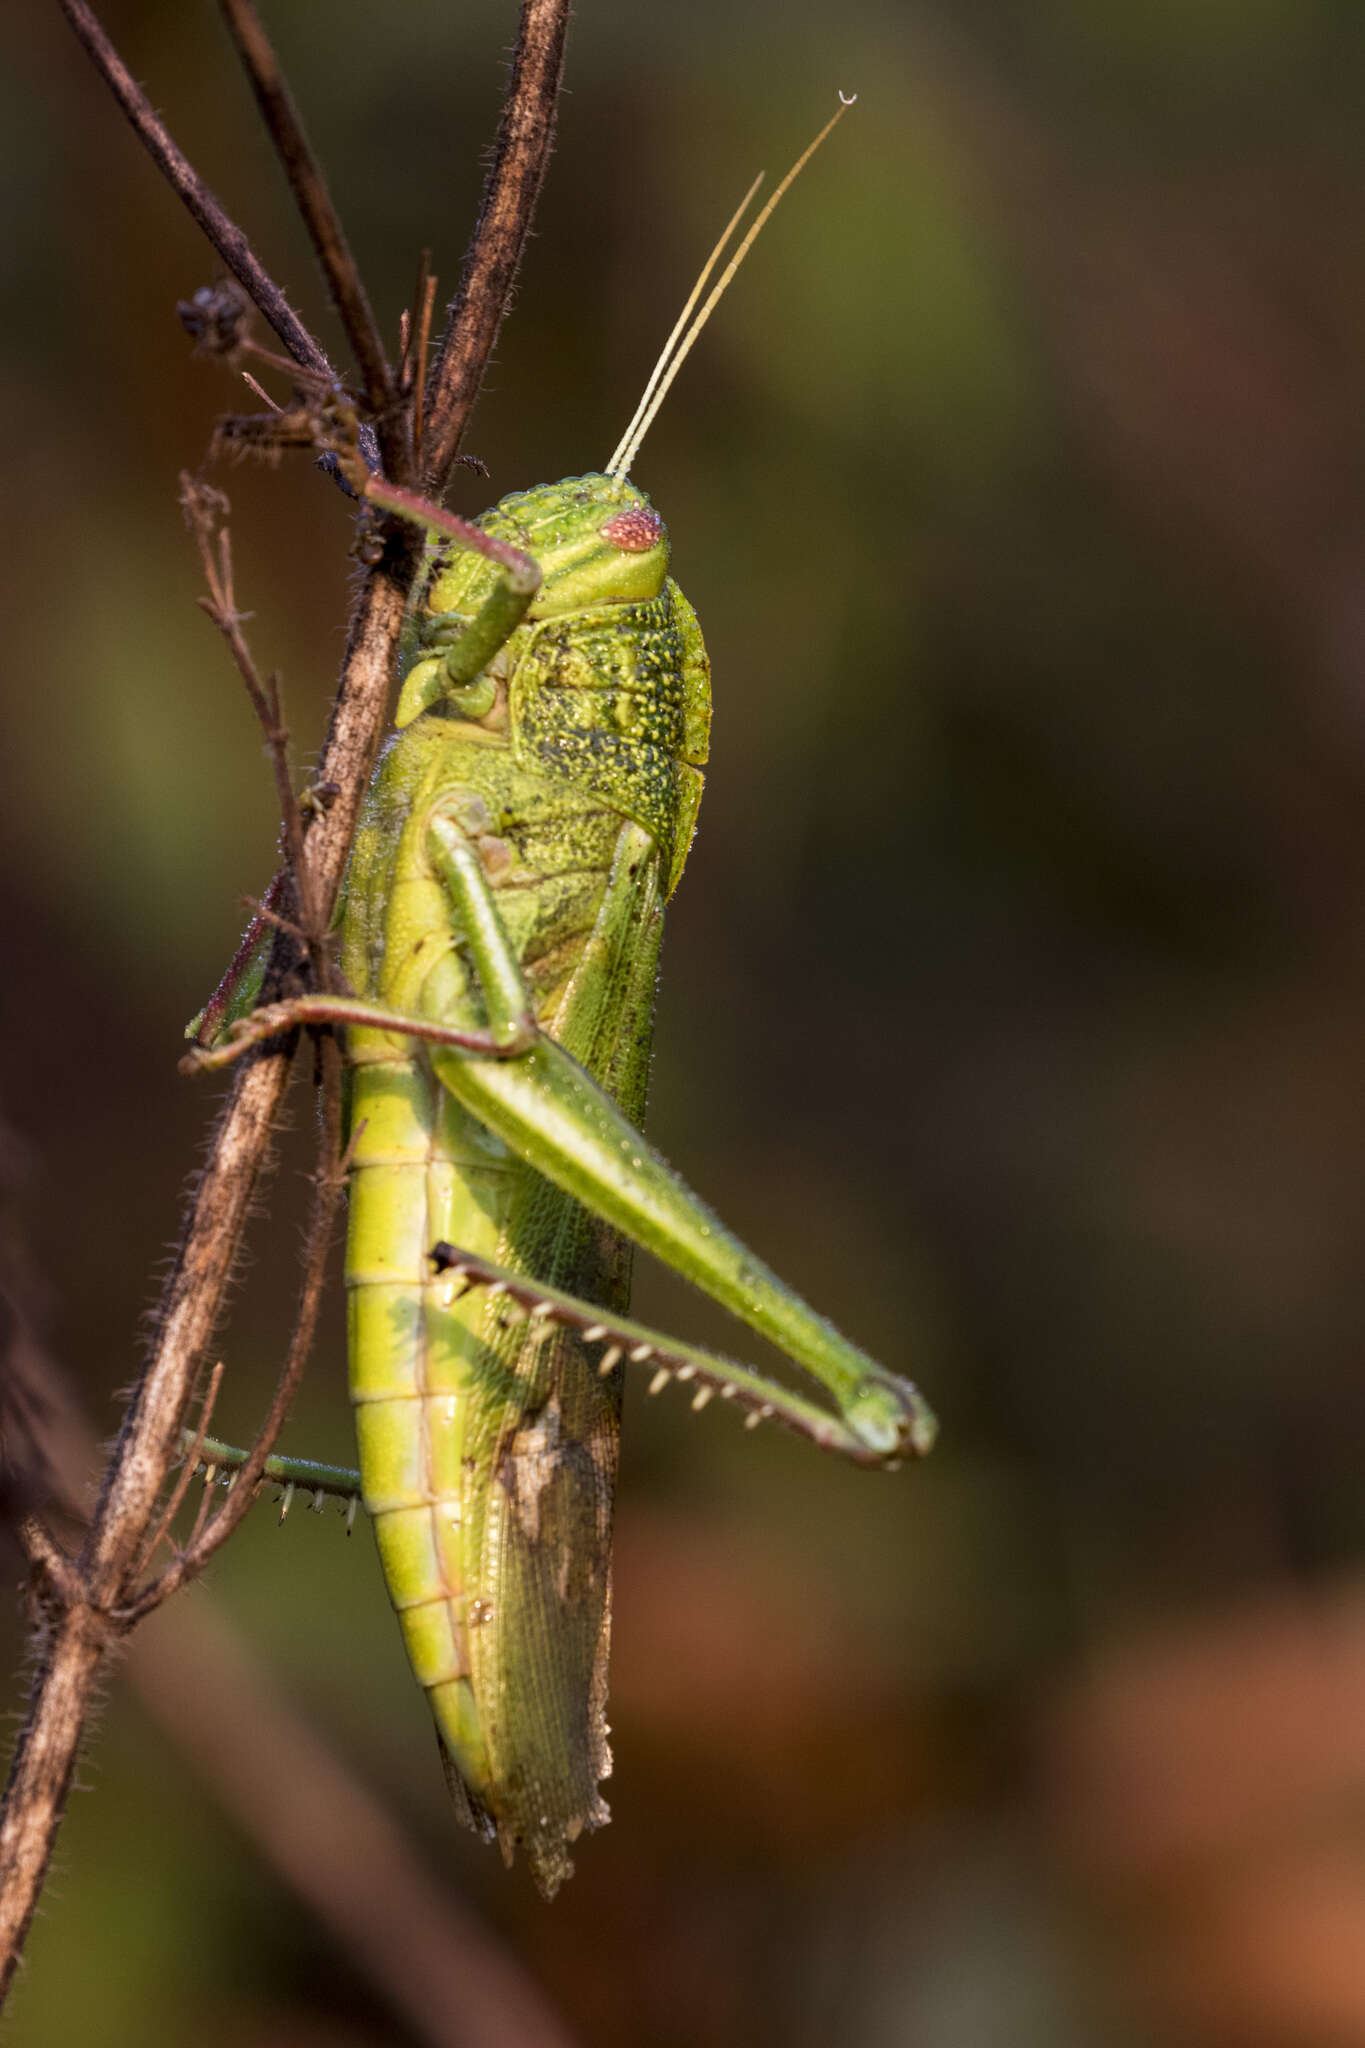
[634,531]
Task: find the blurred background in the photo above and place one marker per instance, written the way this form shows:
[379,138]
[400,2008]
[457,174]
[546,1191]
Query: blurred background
[1012,1006]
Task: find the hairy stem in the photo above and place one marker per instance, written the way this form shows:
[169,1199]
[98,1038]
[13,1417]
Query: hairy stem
[328,1184]
[320,217]
[226,237]
[271,1770]
[520,154]
[71,1644]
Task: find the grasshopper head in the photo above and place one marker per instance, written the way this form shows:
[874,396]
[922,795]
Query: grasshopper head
[597,539]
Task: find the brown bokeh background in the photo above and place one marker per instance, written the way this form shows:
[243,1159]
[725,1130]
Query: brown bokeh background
[1013,1003]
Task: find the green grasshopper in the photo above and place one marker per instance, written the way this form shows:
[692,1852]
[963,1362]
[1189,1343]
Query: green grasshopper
[503,915]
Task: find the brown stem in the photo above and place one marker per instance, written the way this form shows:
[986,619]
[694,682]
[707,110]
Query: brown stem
[203,509]
[328,1183]
[520,154]
[54,1569]
[182,1484]
[270,1770]
[41,1775]
[425,305]
[320,217]
[226,237]
[70,1651]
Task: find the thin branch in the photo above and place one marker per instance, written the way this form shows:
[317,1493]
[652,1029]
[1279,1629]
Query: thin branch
[204,508]
[71,1652]
[226,237]
[320,217]
[40,1778]
[273,918]
[329,1180]
[182,1484]
[201,1515]
[274,1775]
[520,154]
[49,1562]
[414,335]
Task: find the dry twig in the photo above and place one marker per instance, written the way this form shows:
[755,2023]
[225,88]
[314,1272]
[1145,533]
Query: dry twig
[227,238]
[319,215]
[273,1774]
[328,1183]
[204,509]
[74,1644]
[520,154]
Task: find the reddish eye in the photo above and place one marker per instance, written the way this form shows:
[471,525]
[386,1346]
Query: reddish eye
[635,531]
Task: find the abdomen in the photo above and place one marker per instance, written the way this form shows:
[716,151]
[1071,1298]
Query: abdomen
[488,1447]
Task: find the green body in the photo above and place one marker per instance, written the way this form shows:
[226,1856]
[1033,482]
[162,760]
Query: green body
[503,917]
[488,1445]
[502,926]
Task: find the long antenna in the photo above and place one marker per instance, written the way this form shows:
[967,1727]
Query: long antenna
[735,218]
[662,377]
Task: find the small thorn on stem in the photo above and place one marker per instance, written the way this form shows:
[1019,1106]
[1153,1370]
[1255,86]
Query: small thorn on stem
[287,1502]
[260,391]
[352,1504]
[660,1380]
[611,1358]
[700,1399]
[594,1333]
[642,1353]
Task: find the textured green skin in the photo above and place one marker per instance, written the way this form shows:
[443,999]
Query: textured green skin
[520,839]
[488,1447]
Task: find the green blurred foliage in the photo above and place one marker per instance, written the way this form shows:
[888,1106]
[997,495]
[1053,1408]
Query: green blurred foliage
[1012,1003]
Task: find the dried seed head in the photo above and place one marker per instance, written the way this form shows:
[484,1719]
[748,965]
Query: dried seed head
[217,318]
